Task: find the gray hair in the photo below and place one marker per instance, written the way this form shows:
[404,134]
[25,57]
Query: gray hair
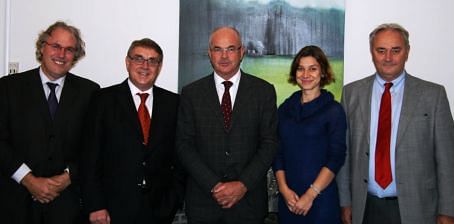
[226,27]
[390,26]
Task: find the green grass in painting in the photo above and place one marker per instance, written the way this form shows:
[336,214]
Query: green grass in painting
[275,69]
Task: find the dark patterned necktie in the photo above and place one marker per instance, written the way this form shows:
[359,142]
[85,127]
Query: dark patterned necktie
[226,105]
[383,174]
[144,117]
[52,99]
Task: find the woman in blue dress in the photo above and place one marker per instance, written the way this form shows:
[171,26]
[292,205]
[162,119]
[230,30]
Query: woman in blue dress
[312,135]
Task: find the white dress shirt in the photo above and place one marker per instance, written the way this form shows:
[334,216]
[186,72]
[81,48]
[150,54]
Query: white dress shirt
[136,98]
[233,89]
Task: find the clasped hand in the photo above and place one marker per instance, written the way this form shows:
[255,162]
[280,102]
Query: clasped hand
[298,205]
[46,189]
[229,193]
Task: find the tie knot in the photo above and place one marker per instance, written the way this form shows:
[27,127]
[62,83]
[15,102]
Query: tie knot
[388,85]
[227,84]
[52,86]
[143,96]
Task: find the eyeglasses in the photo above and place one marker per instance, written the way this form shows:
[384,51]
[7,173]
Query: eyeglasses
[229,50]
[58,47]
[139,60]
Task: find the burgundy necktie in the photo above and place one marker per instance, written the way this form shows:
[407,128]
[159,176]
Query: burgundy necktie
[226,105]
[383,174]
[144,117]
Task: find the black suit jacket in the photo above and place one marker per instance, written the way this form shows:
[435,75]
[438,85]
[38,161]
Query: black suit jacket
[28,135]
[116,161]
[211,155]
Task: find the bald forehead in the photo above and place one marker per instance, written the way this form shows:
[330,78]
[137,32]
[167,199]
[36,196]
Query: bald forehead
[225,32]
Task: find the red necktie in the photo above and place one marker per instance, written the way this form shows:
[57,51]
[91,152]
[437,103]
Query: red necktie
[226,105]
[144,117]
[383,174]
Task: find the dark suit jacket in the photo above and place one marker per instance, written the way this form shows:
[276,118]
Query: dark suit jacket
[116,161]
[424,151]
[211,155]
[28,135]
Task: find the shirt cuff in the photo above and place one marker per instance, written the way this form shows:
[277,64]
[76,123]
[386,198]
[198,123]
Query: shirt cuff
[21,172]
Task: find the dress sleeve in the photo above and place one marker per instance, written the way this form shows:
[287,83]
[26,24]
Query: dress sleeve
[337,127]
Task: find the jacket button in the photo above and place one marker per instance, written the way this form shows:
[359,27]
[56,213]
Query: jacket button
[365,181]
[227,153]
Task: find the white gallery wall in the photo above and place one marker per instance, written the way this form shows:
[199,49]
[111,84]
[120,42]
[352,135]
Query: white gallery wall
[3,34]
[109,26]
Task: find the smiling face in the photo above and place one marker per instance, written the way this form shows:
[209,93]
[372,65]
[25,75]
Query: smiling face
[308,74]
[389,54]
[225,52]
[58,53]
[142,72]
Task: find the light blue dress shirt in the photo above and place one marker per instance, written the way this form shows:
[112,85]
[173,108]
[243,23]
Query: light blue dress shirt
[397,93]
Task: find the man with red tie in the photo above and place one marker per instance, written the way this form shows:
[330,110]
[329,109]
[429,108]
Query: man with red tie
[129,170]
[400,142]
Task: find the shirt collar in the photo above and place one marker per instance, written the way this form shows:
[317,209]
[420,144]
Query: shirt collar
[396,82]
[44,79]
[135,90]
[235,79]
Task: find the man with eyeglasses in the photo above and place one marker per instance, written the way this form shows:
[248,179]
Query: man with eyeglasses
[41,116]
[129,169]
[226,138]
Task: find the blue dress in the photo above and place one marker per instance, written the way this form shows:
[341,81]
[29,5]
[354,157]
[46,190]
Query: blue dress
[311,136]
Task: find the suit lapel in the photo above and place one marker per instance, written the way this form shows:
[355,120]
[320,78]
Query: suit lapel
[38,99]
[67,98]
[157,115]
[128,108]
[244,90]
[364,97]
[409,102]
[212,100]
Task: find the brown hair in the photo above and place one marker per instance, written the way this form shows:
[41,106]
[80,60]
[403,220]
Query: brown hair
[44,35]
[327,75]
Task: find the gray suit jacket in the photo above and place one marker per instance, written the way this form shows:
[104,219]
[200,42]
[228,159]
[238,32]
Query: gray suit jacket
[211,155]
[424,151]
